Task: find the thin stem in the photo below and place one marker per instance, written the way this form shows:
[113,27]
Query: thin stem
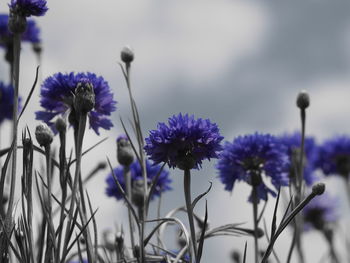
[255,219]
[15,77]
[127,180]
[75,192]
[50,228]
[63,183]
[187,191]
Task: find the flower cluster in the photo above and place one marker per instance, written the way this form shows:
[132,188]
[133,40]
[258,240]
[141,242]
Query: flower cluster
[163,183]
[334,156]
[184,142]
[28,7]
[57,98]
[32,33]
[249,157]
[320,212]
[293,142]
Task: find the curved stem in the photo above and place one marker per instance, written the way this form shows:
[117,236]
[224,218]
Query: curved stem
[187,191]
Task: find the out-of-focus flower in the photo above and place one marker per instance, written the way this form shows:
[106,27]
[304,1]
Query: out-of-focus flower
[84,261]
[320,212]
[57,98]
[27,8]
[32,33]
[184,143]
[292,142]
[125,153]
[334,156]
[250,157]
[163,183]
[6,102]
[185,258]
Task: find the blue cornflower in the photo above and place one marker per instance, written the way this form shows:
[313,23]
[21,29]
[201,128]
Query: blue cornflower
[320,212]
[334,156]
[32,33]
[184,142]
[250,156]
[57,93]
[163,183]
[292,142]
[6,102]
[27,8]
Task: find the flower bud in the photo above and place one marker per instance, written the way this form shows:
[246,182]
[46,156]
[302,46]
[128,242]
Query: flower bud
[17,24]
[43,134]
[137,192]
[125,154]
[303,100]
[127,55]
[84,100]
[319,188]
[61,124]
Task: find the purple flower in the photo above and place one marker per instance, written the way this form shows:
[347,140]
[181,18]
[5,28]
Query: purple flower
[321,211]
[163,183]
[57,94]
[84,261]
[30,35]
[184,142]
[250,157]
[293,142]
[27,8]
[334,156]
[6,102]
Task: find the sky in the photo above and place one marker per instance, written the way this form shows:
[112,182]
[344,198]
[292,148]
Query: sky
[239,63]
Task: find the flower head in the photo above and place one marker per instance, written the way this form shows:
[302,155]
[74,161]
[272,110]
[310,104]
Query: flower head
[334,156]
[27,8]
[320,212]
[163,183]
[6,102]
[32,33]
[249,157]
[292,142]
[57,98]
[184,142]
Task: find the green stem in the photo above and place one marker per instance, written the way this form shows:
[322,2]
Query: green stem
[187,191]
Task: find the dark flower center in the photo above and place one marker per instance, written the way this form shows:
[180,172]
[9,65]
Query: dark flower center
[315,217]
[342,163]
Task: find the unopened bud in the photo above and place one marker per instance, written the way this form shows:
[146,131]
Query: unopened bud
[17,24]
[137,192]
[61,124]
[303,100]
[43,134]
[125,154]
[127,55]
[84,100]
[319,188]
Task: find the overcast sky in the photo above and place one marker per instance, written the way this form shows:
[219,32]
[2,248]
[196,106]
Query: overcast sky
[239,63]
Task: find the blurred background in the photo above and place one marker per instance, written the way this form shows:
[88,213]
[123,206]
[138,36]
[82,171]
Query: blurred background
[238,63]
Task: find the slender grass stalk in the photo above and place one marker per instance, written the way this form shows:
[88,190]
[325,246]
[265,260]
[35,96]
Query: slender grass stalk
[189,208]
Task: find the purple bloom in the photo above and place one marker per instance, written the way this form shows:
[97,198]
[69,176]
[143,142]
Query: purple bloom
[30,35]
[6,102]
[334,156]
[249,157]
[84,261]
[293,142]
[28,7]
[322,210]
[163,183]
[57,94]
[184,142]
